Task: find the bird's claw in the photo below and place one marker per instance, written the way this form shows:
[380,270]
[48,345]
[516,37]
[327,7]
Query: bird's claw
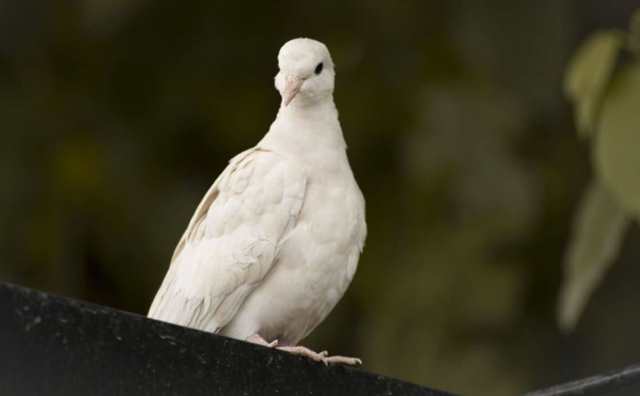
[304,351]
[341,360]
[320,356]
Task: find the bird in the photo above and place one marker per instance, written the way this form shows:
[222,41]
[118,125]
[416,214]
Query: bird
[275,242]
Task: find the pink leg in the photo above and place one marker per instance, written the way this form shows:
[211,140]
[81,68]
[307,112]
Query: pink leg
[304,351]
[320,356]
[257,339]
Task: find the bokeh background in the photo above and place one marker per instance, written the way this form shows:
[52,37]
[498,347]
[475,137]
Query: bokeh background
[117,115]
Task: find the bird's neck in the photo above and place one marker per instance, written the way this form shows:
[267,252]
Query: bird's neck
[301,129]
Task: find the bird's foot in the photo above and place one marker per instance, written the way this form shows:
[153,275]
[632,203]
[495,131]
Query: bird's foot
[304,351]
[337,359]
[257,339]
[320,356]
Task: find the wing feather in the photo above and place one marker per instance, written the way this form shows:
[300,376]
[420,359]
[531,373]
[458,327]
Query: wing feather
[232,240]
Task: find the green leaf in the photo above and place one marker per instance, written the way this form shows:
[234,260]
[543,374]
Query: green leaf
[588,75]
[617,150]
[598,230]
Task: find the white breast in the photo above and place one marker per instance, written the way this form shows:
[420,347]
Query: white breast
[315,265]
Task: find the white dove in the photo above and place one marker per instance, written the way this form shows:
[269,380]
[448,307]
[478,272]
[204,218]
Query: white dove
[276,240]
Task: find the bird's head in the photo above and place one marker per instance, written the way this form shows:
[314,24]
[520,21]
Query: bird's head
[306,72]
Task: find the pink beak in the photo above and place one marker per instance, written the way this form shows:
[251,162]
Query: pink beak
[291,88]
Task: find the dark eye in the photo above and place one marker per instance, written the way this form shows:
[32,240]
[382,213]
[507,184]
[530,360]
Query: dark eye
[319,68]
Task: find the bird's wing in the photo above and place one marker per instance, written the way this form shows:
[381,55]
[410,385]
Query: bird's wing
[232,240]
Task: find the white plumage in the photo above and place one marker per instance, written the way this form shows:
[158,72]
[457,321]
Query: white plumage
[275,242]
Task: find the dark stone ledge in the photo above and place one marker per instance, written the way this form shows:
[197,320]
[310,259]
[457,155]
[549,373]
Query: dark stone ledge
[623,382]
[53,345]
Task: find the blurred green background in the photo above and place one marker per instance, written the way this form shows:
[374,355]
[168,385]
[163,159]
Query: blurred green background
[117,115]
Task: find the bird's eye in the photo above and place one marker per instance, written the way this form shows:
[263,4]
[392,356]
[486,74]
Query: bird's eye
[319,68]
